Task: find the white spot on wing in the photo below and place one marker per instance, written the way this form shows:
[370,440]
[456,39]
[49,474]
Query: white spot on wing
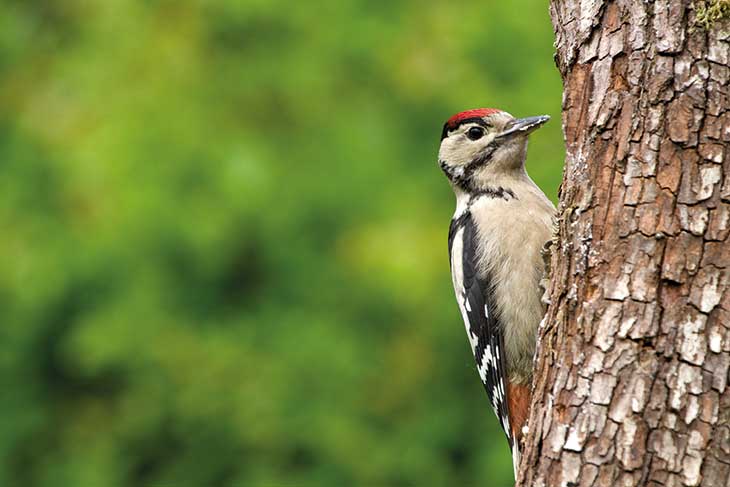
[457,276]
[488,362]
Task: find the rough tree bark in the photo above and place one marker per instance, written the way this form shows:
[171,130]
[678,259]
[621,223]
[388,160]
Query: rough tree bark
[632,370]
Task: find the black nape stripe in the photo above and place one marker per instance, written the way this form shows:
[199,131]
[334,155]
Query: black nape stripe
[498,192]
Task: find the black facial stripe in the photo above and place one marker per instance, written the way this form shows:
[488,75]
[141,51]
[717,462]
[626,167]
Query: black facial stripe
[462,175]
[465,183]
[484,157]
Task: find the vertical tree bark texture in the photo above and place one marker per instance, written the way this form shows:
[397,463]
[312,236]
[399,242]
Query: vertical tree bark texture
[632,370]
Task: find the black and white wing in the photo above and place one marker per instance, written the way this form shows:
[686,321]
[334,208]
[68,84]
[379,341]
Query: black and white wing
[475,297]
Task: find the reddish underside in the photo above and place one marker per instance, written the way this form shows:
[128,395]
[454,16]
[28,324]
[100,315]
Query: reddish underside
[518,402]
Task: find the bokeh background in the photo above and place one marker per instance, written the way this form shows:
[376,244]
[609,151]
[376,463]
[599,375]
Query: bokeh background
[223,238]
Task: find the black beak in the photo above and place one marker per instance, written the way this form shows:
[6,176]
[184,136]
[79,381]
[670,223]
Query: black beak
[523,126]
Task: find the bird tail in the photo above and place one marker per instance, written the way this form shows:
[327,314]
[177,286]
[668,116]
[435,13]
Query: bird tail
[516,457]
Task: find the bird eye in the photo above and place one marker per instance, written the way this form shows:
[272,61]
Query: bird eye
[475,133]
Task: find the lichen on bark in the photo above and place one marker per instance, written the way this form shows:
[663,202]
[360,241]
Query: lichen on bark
[708,12]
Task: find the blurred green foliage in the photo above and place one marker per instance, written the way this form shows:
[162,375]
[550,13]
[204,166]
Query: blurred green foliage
[223,246]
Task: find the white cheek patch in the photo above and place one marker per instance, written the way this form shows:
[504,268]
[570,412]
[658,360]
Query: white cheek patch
[458,151]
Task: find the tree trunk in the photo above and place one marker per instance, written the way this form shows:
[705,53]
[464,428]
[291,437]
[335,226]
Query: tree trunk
[631,383]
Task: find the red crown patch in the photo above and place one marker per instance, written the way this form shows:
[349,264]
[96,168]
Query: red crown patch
[476,113]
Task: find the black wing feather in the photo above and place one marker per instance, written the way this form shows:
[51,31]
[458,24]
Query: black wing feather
[482,323]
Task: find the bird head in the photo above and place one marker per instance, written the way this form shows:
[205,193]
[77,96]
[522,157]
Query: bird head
[478,146]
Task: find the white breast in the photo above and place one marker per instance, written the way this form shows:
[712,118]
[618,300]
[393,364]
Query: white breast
[511,235]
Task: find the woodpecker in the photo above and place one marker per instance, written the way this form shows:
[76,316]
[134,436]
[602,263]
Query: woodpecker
[501,223]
